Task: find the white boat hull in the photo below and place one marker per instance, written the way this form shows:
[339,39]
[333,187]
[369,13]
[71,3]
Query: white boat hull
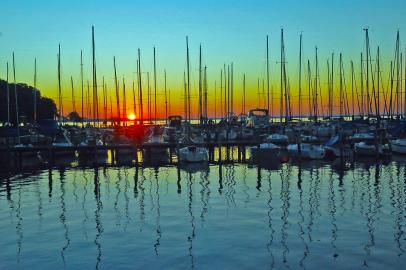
[398,146]
[307,151]
[193,154]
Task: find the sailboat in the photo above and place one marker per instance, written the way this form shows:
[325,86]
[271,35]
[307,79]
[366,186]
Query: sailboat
[398,146]
[307,151]
[191,153]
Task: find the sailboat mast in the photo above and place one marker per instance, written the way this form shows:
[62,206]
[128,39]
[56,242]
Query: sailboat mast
[35,90]
[188,77]
[149,99]
[117,92]
[362,87]
[378,67]
[232,88]
[166,99]
[200,84]
[185,96]
[16,101]
[89,109]
[243,94]
[124,103]
[215,100]
[332,85]
[367,72]
[140,88]
[352,88]
[300,77]
[267,72]
[60,105]
[134,100]
[281,92]
[309,85]
[228,92]
[221,93]
[95,98]
[155,87]
[105,101]
[73,95]
[316,89]
[81,79]
[341,87]
[8,95]
[205,94]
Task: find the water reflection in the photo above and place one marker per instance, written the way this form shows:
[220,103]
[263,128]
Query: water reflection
[97,217]
[62,216]
[300,215]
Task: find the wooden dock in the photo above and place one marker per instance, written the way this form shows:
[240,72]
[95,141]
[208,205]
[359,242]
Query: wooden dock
[142,153]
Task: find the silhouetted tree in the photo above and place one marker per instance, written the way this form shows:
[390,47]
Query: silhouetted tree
[46,108]
[74,116]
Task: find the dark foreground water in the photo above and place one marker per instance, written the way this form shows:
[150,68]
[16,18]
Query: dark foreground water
[230,217]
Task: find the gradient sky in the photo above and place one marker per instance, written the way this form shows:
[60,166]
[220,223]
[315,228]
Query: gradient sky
[230,31]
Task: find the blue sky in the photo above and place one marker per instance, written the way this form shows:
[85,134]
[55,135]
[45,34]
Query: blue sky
[230,31]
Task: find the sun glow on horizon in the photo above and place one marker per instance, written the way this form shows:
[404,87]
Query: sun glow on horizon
[131,116]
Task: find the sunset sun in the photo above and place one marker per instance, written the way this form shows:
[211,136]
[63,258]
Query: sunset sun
[131,116]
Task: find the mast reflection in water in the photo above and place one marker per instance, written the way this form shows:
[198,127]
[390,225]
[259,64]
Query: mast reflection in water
[230,216]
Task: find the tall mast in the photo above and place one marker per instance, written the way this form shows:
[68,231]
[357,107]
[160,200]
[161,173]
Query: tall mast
[332,85]
[200,85]
[215,100]
[149,99]
[35,90]
[378,66]
[81,78]
[16,101]
[232,87]
[397,59]
[300,77]
[8,96]
[352,88]
[267,72]
[329,107]
[73,95]
[281,96]
[341,86]
[228,92]
[154,87]
[124,103]
[140,88]
[404,96]
[221,93]
[391,90]
[243,94]
[316,91]
[89,109]
[166,99]
[60,105]
[362,87]
[205,94]
[367,71]
[185,96]
[309,85]
[117,92]
[225,90]
[188,77]
[105,101]
[134,100]
[95,98]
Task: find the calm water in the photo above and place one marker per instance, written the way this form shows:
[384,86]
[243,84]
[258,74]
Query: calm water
[230,217]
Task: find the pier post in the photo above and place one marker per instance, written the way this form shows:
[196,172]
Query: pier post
[136,156]
[20,160]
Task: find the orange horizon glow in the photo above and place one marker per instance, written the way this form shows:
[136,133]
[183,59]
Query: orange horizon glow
[131,116]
